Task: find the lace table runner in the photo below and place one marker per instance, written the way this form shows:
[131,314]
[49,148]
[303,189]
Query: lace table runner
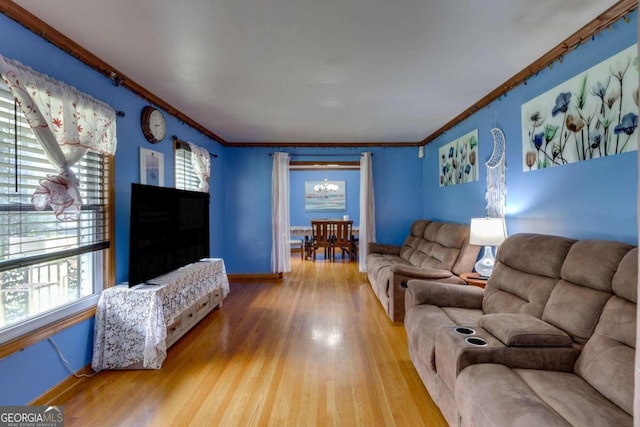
[131,323]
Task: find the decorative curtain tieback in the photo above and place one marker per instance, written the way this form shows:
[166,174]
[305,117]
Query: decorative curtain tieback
[61,193]
[67,123]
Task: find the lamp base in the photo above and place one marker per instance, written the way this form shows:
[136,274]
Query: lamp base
[484,266]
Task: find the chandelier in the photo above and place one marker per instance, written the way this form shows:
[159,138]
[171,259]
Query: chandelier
[325,188]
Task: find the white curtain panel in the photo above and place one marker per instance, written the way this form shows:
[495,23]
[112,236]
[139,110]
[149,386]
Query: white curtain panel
[201,165]
[367,210]
[280,252]
[67,123]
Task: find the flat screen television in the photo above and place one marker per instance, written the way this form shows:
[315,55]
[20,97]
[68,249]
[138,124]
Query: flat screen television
[169,228]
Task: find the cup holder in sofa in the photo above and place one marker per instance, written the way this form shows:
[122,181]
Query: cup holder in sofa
[477,341]
[464,330]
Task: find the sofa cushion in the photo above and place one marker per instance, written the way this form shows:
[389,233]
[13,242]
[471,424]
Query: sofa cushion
[523,330]
[422,324]
[379,270]
[463,316]
[574,399]
[587,283]
[587,265]
[416,235]
[409,247]
[625,281]
[607,365]
[437,248]
[527,269]
[575,309]
[537,254]
[489,394]
[493,395]
[607,361]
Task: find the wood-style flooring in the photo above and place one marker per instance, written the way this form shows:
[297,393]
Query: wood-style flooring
[313,349]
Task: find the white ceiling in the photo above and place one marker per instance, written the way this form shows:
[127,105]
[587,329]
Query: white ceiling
[319,70]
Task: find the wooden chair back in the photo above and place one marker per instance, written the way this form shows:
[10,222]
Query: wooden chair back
[343,233]
[342,238]
[321,232]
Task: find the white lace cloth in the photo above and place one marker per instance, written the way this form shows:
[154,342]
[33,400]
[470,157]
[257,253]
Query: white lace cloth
[131,323]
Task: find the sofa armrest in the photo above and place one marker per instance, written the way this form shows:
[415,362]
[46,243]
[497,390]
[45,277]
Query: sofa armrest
[453,353]
[381,248]
[412,272]
[401,274]
[443,294]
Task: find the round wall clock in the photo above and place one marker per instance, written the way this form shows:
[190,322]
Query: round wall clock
[153,124]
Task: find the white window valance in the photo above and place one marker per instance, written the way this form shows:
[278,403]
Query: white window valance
[67,123]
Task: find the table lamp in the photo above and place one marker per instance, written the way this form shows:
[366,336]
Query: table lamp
[487,232]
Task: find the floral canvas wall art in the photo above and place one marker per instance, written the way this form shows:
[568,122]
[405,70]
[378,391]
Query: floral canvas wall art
[459,160]
[592,115]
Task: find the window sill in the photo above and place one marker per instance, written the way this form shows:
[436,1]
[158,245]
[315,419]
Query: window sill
[38,329]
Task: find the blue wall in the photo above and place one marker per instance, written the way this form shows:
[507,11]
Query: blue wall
[28,373]
[298,215]
[589,199]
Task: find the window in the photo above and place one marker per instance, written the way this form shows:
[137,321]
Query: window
[49,269]
[186,177]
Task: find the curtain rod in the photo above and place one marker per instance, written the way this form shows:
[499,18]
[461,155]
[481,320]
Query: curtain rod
[177,140]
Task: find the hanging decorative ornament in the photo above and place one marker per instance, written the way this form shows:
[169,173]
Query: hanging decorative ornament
[496,180]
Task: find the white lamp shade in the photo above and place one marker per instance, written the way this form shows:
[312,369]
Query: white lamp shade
[487,231]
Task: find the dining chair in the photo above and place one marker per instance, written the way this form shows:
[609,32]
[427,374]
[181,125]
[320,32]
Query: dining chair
[342,239]
[297,244]
[321,232]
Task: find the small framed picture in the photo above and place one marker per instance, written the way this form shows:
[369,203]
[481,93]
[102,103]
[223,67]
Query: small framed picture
[151,167]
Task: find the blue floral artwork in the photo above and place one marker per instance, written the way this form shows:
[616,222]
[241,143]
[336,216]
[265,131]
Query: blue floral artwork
[459,160]
[592,115]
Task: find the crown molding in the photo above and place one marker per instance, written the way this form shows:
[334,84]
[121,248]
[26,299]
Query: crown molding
[606,19]
[44,30]
[55,37]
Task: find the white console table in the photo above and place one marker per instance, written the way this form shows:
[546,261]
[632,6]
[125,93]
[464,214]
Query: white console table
[135,326]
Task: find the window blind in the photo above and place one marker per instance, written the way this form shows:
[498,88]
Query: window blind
[186,178]
[28,236]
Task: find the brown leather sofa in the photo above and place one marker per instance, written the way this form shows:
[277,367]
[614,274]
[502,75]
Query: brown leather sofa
[549,342]
[433,250]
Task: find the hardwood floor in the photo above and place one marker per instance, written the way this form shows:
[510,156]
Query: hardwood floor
[313,349]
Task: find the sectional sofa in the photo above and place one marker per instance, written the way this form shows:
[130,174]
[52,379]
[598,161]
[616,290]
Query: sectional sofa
[438,251]
[549,342]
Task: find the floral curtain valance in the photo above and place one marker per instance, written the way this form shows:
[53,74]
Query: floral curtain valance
[201,165]
[67,123]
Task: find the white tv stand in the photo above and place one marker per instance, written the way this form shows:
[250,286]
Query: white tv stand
[192,315]
[135,326]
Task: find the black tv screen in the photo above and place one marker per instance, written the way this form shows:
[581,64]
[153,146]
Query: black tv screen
[169,229]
